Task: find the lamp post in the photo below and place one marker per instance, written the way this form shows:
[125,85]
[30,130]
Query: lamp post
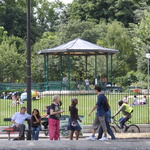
[28,68]
[148,57]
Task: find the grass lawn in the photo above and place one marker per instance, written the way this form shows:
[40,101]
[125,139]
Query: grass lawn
[85,104]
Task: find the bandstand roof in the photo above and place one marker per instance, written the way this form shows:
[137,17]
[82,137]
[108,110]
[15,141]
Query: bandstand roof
[78,47]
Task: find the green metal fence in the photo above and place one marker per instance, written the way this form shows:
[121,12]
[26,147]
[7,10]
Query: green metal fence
[86,101]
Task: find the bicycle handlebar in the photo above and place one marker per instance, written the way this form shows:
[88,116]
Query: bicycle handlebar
[116,121]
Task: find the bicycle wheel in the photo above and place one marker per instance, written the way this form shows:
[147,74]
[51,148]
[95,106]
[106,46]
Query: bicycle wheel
[133,129]
[113,129]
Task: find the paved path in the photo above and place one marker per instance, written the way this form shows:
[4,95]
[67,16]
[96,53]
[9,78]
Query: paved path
[118,135]
[124,144]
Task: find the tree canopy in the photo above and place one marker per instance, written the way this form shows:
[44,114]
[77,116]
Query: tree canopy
[118,24]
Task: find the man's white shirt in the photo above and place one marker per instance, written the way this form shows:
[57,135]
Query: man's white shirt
[20,118]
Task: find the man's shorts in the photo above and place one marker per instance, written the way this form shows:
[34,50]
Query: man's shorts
[99,121]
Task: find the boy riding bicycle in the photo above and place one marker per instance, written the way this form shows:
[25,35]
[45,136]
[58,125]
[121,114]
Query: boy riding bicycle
[126,111]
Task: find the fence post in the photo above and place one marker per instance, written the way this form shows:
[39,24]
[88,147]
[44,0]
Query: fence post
[68,71]
[96,68]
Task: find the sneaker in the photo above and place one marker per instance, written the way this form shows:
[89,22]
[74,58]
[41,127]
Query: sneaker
[16,139]
[91,138]
[103,139]
[19,138]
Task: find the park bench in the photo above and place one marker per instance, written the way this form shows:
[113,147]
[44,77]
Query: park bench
[11,130]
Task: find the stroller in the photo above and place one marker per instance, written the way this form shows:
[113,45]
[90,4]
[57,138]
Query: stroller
[45,124]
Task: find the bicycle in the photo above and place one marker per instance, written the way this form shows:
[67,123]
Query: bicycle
[128,127]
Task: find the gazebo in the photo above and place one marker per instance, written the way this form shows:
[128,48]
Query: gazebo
[77,47]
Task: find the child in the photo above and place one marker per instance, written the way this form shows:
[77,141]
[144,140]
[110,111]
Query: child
[35,124]
[73,124]
[54,122]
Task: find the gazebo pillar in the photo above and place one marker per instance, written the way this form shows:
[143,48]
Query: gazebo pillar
[86,66]
[45,72]
[61,68]
[107,66]
[111,66]
[96,69]
[69,71]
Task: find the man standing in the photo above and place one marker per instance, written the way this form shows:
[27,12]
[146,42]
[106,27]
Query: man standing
[18,119]
[65,82]
[86,84]
[102,108]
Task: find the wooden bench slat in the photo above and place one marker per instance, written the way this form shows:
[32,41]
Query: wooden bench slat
[7,119]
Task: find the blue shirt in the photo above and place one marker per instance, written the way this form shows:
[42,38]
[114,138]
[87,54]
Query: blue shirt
[100,103]
[20,118]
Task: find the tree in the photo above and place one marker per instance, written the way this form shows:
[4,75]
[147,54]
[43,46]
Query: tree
[48,40]
[139,1]
[123,11]
[13,18]
[12,63]
[3,34]
[12,58]
[99,10]
[77,29]
[47,14]
[141,39]
[115,35]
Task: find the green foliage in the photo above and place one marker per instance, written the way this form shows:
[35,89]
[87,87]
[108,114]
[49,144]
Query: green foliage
[98,10]
[2,34]
[117,37]
[48,40]
[141,40]
[127,80]
[77,29]
[12,62]
[103,22]
[47,14]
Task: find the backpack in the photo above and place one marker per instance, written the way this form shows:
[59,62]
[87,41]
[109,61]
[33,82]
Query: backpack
[48,109]
[105,106]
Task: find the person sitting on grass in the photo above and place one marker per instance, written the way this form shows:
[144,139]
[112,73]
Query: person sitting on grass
[125,99]
[73,124]
[126,111]
[15,101]
[18,119]
[143,101]
[135,101]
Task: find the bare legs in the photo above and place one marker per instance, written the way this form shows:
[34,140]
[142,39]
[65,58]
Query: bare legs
[71,134]
[94,131]
[77,134]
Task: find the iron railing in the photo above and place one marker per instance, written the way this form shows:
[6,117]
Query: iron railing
[86,101]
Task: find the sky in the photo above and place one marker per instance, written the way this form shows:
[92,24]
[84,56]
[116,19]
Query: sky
[64,1]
